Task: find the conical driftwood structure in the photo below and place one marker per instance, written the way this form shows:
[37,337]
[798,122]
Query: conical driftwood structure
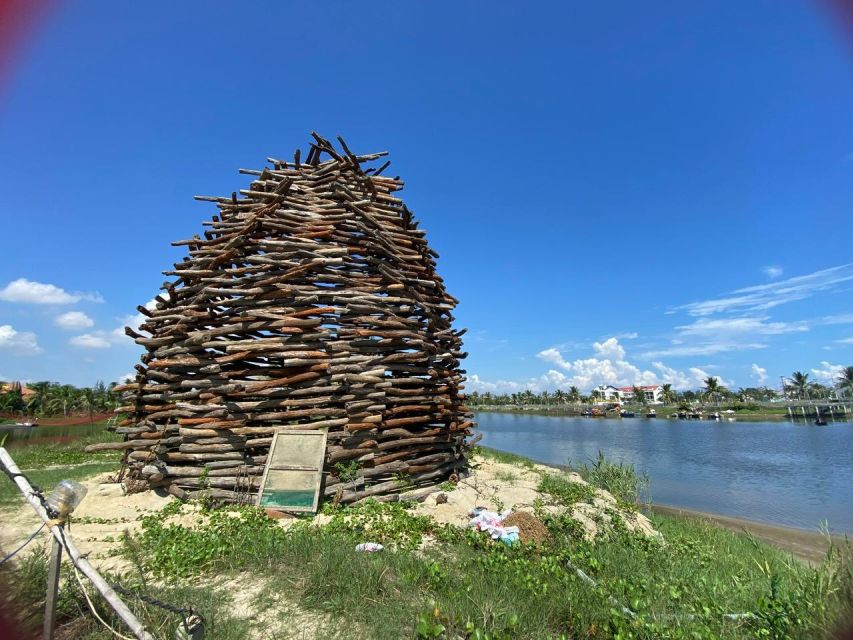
[312,302]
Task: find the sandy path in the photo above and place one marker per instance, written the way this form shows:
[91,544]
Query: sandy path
[105,513]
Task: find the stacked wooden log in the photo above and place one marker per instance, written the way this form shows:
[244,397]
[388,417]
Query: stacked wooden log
[311,302]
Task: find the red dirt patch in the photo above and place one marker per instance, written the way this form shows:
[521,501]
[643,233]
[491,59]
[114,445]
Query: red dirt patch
[74,421]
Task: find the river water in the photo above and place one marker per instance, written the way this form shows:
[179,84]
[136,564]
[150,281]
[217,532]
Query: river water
[786,473]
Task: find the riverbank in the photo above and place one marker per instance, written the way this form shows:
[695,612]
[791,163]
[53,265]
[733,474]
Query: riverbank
[808,546]
[792,474]
[662,412]
[252,577]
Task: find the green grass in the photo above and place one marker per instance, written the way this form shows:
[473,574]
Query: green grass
[462,584]
[64,453]
[46,464]
[621,480]
[74,619]
[502,456]
[465,584]
[46,479]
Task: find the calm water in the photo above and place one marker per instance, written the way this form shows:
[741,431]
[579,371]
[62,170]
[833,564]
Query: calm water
[778,472]
[46,434]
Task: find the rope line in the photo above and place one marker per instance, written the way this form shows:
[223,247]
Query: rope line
[18,550]
[86,593]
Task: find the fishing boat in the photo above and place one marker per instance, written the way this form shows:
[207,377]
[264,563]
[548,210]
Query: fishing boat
[651,413]
[16,426]
[626,414]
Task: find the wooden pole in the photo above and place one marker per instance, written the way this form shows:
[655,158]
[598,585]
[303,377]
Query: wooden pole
[52,589]
[62,538]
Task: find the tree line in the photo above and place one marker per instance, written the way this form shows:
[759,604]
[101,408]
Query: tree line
[51,398]
[797,387]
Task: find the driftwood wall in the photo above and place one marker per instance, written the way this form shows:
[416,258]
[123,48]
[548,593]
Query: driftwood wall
[312,301]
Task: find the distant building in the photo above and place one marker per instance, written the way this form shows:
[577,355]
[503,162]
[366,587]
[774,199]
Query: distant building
[607,393]
[26,392]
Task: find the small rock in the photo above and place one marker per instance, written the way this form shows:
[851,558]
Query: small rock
[441,498]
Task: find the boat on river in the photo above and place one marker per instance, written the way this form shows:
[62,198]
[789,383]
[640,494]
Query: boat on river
[651,413]
[626,414]
[15,426]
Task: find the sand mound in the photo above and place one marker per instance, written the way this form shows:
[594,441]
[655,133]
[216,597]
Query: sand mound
[499,485]
[530,528]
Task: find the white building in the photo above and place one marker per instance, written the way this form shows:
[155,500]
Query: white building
[607,393]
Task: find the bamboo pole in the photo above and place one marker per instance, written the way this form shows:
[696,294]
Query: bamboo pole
[62,537]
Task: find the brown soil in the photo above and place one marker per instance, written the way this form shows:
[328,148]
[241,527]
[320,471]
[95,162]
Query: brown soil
[530,528]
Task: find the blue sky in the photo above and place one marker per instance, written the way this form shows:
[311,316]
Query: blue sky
[619,192]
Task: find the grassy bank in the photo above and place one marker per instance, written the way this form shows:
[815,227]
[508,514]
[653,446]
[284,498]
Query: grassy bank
[47,463]
[250,577]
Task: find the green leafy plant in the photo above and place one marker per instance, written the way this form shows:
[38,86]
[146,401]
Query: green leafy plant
[347,471]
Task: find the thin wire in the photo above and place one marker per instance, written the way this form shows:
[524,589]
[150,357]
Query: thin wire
[16,551]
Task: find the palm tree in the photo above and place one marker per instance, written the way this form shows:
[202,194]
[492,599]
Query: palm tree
[845,380]
[639,395]
[800,382]
[574,394]
[668,394]
[713,388]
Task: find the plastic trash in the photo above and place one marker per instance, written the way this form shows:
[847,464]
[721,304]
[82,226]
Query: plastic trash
[489,521]
[369,547]
[509,538]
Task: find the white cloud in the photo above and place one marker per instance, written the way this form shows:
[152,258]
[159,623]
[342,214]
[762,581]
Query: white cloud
[74,321]
[759,373]
[841,318]
[610,348]
[609,365]
[828,373]
[773,271]
[19,343]
[476,383]
[27,291]
[706,336]
[845,341]
[127,376]
[706,349]
[737,326]
[90,341]
[766,296]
